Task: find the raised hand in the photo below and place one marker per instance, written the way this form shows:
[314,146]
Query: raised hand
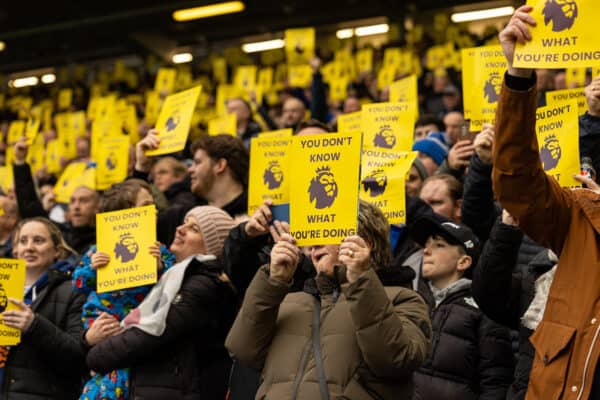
[99,259]
[517,30]
[355,254]
[484,142]
[284,259]
[150,142]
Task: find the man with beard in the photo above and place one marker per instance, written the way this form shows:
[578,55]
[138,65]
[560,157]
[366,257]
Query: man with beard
[219,177]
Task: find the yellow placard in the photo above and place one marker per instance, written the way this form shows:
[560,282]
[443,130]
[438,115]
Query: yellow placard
[383,176]
[16,130]
[35,154]
[435,57]
[52,157]
[65,98]
[245,77]
[165,80]
[174,121]
[12,284]
[388,126]
[126,236]
[382,182]
[482,72]
[565,35]
[269,174]
[299,45]
[405,91]
[364,60]
[92,107]
[347,123]
[324,187]
[6,178]
[557,128]
[385,77]
[575,77]
[129,122]
[299,75]
[66,136]
[557,96]
[75,175]
[280,133]
[32,128]
[265,79]
[224,124]
[391,57]
[338,89]
[112,157]
[105,108]
[78,123]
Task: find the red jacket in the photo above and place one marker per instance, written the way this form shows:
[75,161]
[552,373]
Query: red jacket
[567,341]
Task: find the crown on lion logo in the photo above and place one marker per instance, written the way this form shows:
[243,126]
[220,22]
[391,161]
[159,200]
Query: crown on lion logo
[324,169]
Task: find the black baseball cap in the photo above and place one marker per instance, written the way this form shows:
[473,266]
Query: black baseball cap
[457,234]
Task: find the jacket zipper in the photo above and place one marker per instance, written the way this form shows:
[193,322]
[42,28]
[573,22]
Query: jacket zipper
[587,362]
[303,363]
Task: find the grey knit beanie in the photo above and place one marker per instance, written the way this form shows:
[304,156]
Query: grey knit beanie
[214,224]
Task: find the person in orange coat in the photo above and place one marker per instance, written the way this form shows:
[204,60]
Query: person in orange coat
[567,337]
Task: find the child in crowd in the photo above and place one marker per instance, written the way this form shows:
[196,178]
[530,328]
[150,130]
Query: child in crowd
[471,356]
[109,307]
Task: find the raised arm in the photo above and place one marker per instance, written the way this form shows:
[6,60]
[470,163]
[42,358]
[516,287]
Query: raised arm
[27,199]
[495,287]
[520,184]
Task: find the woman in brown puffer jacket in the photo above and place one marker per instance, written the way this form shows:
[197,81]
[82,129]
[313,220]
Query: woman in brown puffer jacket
[355,334]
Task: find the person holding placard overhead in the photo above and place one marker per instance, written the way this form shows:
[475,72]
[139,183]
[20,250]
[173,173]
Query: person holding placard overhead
[566,339]
[356,332]
[103,311]
[49,363]
[173,342]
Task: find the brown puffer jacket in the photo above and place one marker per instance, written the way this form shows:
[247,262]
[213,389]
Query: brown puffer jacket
[371,338]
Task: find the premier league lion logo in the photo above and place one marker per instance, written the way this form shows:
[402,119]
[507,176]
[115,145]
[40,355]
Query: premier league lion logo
[550,152]
[299,48]
[323,188]
[172,122]
[3,299]
[126,248]
[491,90]
[375,183]
[111,162]
[562,13]
[273,175]
[385,138]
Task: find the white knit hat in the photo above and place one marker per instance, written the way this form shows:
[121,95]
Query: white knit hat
[214,224]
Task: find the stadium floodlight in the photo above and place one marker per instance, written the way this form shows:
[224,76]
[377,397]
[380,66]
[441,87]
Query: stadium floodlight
[482,14]
[211,10]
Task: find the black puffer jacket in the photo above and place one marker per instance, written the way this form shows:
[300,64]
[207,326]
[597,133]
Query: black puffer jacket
[188,361]
[49,363]
[479,212]
[471,355]
[504,293]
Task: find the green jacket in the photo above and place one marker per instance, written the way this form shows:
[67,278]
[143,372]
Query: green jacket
[371,338]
